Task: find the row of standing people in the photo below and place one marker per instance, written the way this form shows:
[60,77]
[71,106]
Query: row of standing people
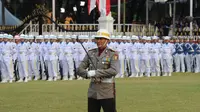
[51,57]
[47,57]
[150,56]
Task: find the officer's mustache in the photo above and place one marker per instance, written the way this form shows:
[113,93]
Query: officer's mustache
[104,44]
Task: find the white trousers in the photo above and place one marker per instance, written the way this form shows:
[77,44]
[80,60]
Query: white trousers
[53,68]
[134,65]
[155,65]
[179,62]
[7,69]
[41,64]
[33,68]
[166,65]
[197,63]
[67,67]
[144,65]
[189,62]
[122,70]
[23,68]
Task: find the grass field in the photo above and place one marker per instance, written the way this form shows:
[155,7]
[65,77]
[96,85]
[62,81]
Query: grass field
[179,93]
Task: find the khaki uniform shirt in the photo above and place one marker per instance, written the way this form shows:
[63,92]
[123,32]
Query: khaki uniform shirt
[107,64]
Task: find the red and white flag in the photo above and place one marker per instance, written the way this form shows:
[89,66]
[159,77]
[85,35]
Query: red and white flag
[91,5]
[103,6]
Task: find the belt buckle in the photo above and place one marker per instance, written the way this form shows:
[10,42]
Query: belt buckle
[97,81]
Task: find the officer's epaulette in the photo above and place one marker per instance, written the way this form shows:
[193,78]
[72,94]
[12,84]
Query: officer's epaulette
[112,50]
[93,49]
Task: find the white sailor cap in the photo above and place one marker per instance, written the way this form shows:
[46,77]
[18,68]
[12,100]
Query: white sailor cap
[86,37]
[148,38]
[1,35]
[60,37]
[22,36]
[134,37]
[92,36]
[40,37]
[52,37]
[10,36]
[118,36]
[124,37]
[154,37]
[67,36]
[83,36]
[166,38]
[30,37]
[74,36]
[144,37]
[113,37]
[128,38]
[46,36]
[5,36]
[26,37]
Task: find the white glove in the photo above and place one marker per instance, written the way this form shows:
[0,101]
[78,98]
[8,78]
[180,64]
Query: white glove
[91,73]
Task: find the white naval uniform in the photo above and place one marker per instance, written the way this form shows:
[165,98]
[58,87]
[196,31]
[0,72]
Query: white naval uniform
[0,56]
[120,50]
[155,50]
[66,60]
[7,67]
[127,58]
[45,56]
[134,59]
[33,60]
[22,61]
[53,51]
[78,54]
[144,61]
[166,59]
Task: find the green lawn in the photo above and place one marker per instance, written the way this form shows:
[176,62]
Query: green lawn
[179,93]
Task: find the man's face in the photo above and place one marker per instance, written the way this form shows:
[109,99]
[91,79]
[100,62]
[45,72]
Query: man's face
[52,40]
[31,40]
[46,40]
[67,40]
[166,41]
[102,42]
[133,41]
[17,41]
[60,40]
[5,39]
[38,40]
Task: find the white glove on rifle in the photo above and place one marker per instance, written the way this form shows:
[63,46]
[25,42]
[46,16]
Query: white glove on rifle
[91,73]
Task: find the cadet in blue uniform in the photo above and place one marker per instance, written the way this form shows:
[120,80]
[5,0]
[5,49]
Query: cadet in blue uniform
[189,55]
[197,56]
[179,56]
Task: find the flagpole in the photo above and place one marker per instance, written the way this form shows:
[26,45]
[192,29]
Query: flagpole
[124,17]
[174,18]
[191,15]
[3,12]
[119,14]
[147,12]
[54,12]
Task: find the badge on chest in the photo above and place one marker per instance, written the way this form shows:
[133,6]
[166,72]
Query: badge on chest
[106,62]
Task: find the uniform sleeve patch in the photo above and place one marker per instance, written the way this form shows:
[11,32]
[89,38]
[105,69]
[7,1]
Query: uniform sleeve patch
[116,56]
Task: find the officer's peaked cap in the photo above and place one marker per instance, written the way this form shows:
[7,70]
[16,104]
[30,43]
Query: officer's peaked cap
[103,33]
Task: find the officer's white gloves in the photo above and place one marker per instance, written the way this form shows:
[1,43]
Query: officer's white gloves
[91,73]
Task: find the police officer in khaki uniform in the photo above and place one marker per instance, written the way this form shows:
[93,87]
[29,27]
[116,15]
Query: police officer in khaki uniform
[101,70]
